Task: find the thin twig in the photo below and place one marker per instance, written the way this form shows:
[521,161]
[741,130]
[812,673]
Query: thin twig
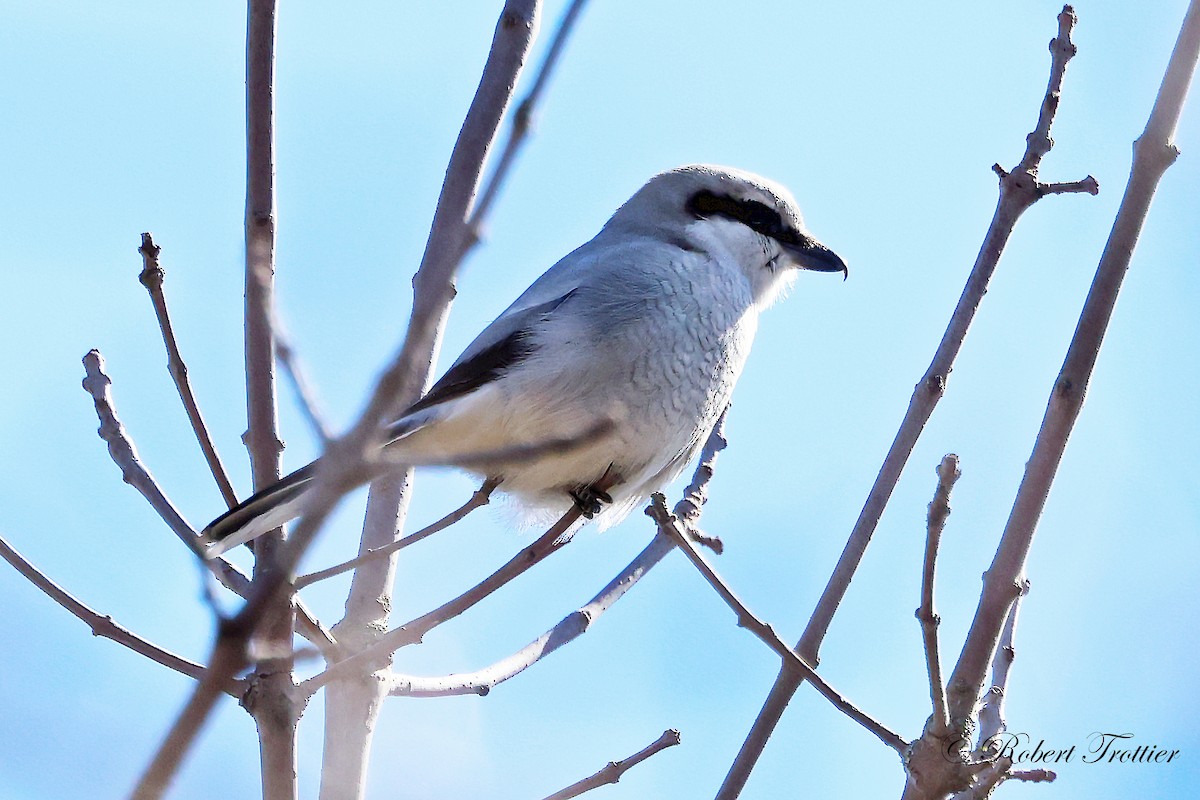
[152,278]
[578,622]
[612,772]
[124,453]
[377,655]
[570,628]
[306,395]
[522,122]
[670,525]
[939,510]
[1154,152]
[1018,191]
[479,498]
[104,626]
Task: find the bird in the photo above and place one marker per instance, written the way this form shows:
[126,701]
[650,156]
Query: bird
[645,329]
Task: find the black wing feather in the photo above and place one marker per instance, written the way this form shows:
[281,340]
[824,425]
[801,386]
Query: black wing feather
[490,363]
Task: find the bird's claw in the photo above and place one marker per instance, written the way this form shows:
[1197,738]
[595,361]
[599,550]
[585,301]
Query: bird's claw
[590,500]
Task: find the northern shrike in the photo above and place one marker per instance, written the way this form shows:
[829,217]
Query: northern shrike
[647,325]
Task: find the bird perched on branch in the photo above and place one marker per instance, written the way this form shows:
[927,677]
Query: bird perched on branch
[642,331]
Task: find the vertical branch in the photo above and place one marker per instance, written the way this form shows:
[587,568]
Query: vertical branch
[1019,190]
[352,705]
[269,700]
[1153,153]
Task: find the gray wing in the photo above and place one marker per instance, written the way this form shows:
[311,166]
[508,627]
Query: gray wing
[588,273]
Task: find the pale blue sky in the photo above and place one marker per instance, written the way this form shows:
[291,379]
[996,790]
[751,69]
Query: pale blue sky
[884,120]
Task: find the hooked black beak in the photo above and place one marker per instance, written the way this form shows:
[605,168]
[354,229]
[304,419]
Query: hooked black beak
[812,255]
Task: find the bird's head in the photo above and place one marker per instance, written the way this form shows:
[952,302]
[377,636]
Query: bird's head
[732,214]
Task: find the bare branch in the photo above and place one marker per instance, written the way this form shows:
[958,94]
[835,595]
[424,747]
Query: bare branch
[152,278]
[566,631]
[671,526]
[1018,191]
[939,509]
[400,383]
[122,451]
[1154,152]
[270,701]
[310,409]
[522,122]
[613,771]
[479,498]
[379,653]
[1086,186]
[104,625]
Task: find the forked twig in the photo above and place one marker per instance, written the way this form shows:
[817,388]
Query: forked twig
[612,772]
[991,716]
[570,628]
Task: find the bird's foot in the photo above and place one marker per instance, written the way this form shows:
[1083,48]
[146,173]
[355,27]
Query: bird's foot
[590,500]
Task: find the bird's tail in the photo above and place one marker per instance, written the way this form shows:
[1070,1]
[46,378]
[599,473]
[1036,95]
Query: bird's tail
[262,512]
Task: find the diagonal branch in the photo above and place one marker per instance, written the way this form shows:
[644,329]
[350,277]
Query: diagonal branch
[122,451]
[612,772]
[672,527]
[152,278]
[522,122]
[104,625]
[1019,190]
[568,629]
[310,409]
[939,509]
